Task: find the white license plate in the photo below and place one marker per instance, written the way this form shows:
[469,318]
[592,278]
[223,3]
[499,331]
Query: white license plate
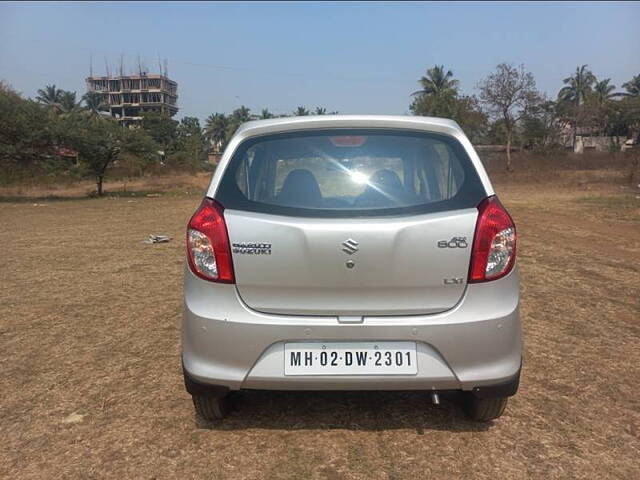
[350,358]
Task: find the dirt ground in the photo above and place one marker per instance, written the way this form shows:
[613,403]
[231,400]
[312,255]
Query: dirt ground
[91,384]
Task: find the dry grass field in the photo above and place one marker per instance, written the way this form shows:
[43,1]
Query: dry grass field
[91,385]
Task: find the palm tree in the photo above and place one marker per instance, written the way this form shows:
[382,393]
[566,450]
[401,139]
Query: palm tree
[95,103]
[600,101]
[216,129]
[265,113]
[301,112]
[632,87]
[50,96]
[572,96]
[237,117]
[578,86]
[241,115]
[68,102]
[602,91]
[320,111]
[438,83]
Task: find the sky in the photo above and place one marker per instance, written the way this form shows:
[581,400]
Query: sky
[364,57]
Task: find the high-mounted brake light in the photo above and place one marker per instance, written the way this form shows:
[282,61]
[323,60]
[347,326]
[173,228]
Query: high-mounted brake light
[208,249]
[494,244]
[348,140]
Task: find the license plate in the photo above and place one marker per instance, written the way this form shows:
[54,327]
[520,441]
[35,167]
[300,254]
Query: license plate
[350,358]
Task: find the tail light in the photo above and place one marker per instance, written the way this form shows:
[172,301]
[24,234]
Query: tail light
[208,249]
[494,244]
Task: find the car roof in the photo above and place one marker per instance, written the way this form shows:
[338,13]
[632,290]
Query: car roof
[273,125]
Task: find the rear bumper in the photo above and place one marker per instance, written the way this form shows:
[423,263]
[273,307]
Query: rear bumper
[504,389]
[476,346]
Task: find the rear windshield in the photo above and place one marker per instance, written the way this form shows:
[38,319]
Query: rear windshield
[350,173]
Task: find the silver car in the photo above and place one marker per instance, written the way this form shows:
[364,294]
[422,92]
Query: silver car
[351,253]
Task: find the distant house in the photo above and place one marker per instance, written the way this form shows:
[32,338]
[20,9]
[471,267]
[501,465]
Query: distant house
[214,154]
[590,138]
[67,153]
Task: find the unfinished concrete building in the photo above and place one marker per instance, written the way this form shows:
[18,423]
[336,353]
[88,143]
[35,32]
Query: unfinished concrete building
[129,96]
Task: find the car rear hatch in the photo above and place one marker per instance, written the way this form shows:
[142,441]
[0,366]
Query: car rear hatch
[351,267]
[351,223]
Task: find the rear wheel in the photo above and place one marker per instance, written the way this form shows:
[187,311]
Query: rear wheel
[211,408]
[484,409]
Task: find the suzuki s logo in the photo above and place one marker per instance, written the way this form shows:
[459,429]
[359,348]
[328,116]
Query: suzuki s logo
[350,246]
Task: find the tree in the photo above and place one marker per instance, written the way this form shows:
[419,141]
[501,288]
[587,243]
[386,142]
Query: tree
[632,87]
[603,92]
[265,113]
[68,103]
[50,96]
[100,142]
[191,142]
[578,86]
[216,127]
[438,83]
[624,117]
[509,94]
[27,135]
[189,126]
[495,133]
[60,101]
[7,89]
[301,112]
[237,118]
[540,130]
[465,110]
[162,129]
[219,128]
[320,111]
[571,98]
[95,103]
[598,106]
[241,115]
[439,98]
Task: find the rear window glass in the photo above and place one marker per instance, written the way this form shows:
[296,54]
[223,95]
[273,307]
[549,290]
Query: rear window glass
[354,172]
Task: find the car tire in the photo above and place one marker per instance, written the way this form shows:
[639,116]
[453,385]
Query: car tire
[484,409]
[211,408]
